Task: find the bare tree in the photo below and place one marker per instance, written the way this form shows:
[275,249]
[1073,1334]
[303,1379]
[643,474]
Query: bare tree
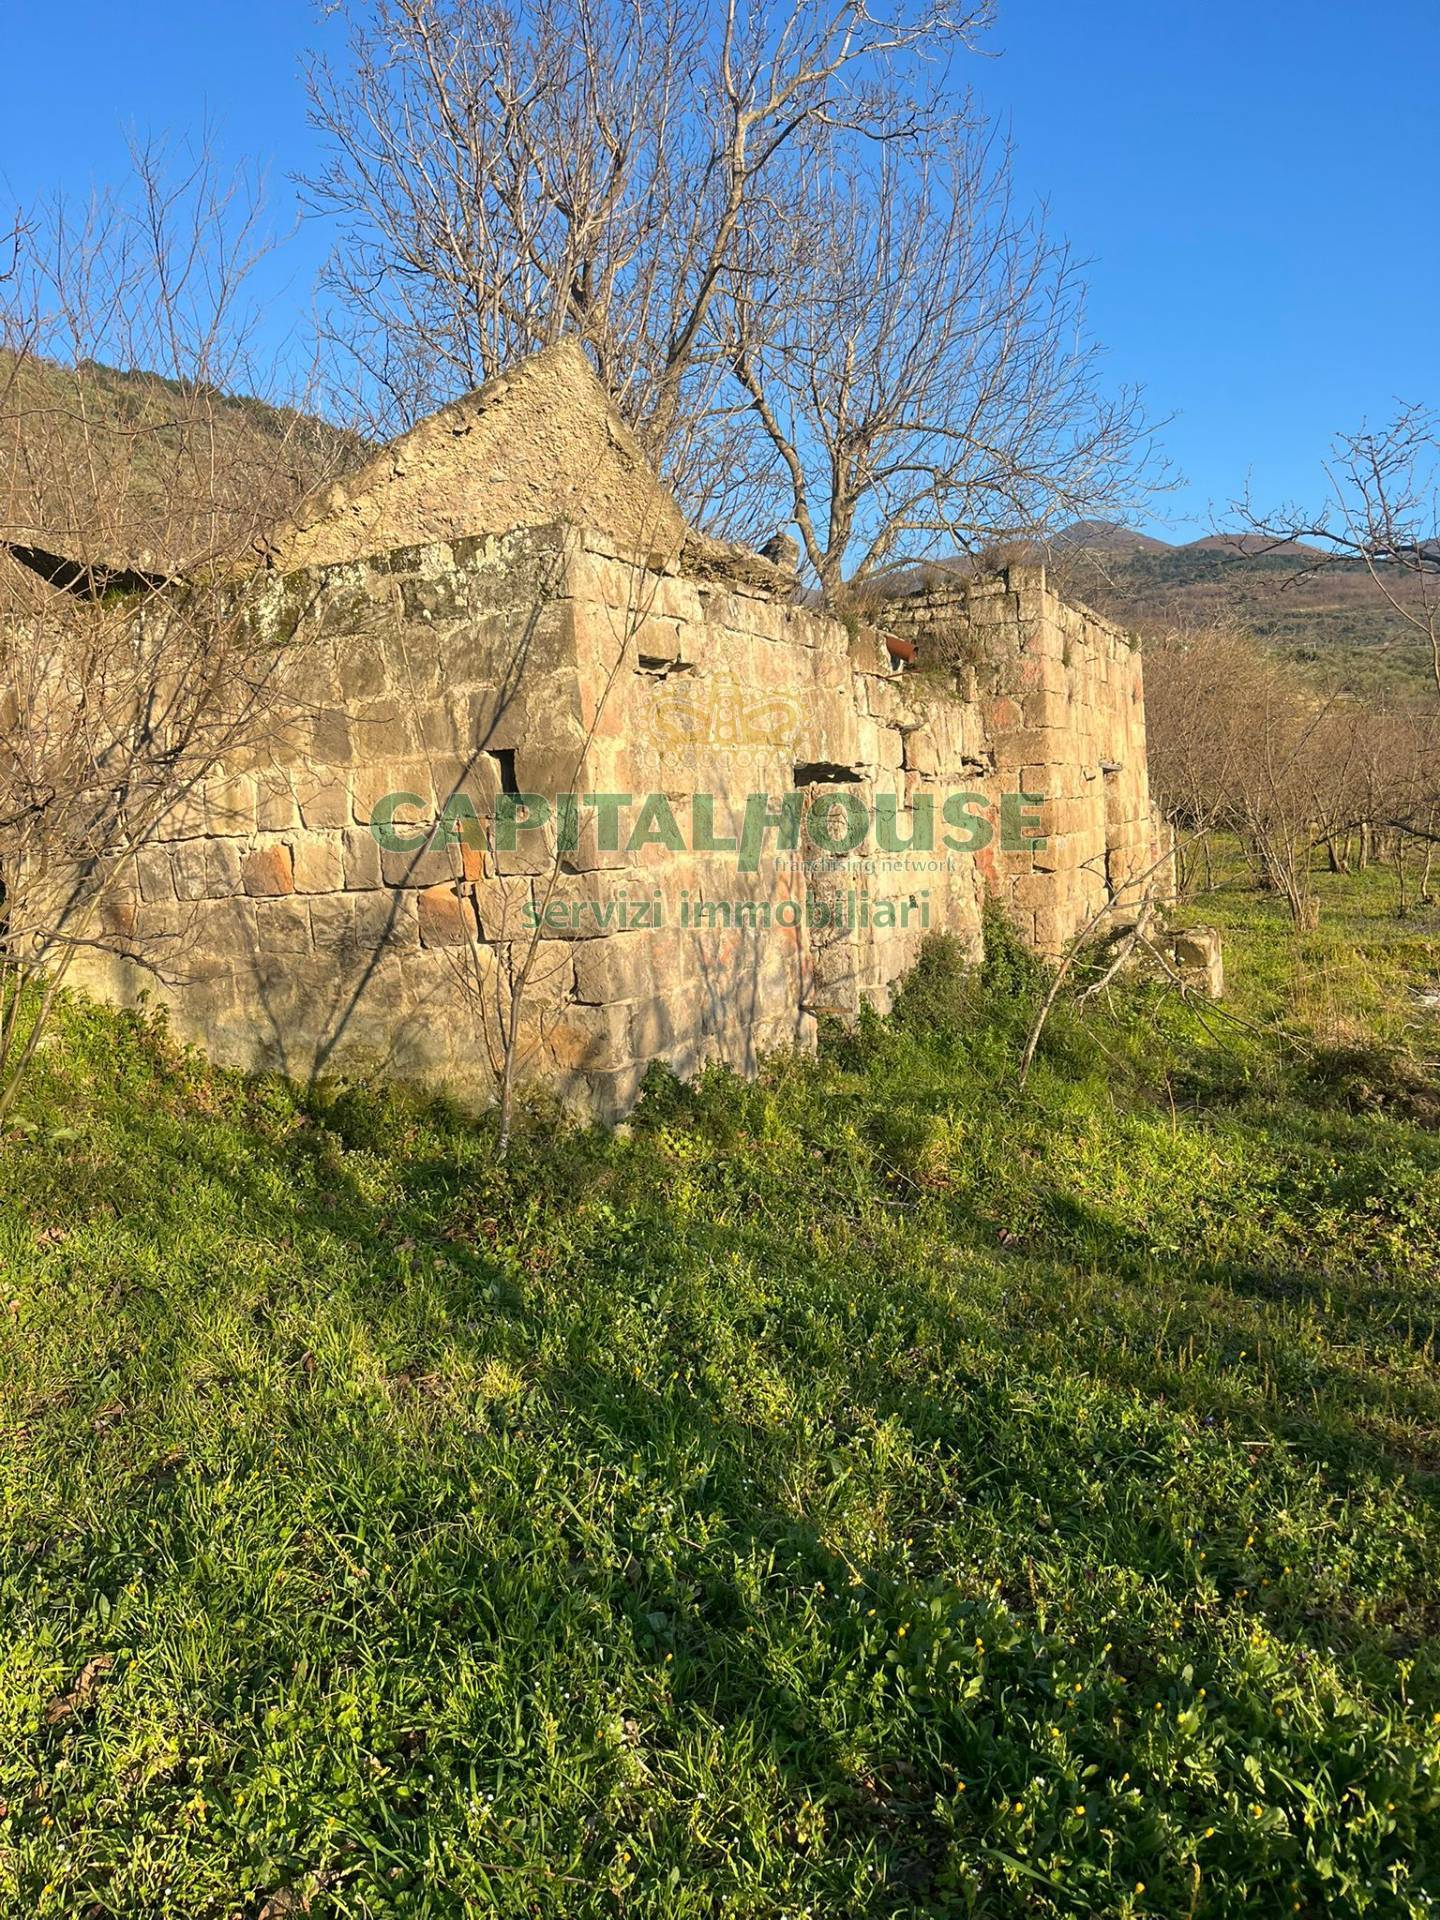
[1202,684]
[130,667]
[510,173]
[1384,511]
[1235,744]
[782,239]
[1239,745]
[1378,775]
[913,347]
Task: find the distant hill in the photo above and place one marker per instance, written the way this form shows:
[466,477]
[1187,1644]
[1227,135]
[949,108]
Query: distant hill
[1106,536]
[1328,616]
[1251,546]
[97,462]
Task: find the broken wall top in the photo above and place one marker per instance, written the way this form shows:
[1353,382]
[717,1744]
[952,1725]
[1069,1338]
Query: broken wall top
[997,595]
[539,444]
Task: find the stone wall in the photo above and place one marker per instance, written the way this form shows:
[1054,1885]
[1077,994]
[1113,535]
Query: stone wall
[548,660]
[1062,700]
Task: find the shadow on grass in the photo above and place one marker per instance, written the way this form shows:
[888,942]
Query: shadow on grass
[768,1414]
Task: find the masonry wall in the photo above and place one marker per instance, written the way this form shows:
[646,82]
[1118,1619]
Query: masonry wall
[1062,703]
[547,661]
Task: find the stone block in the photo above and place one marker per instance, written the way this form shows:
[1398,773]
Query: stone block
[184,818]
[383,727]
[588,1039]
[504,903]
[282,925]
[323,798]
[164,924]
[120,917]
[155,874]
[1199,959]
[661,1024]
[446,917]
[230,925]
[269,870]
[534,852]
[276,808]
[423,866]
[230,804]
[922,752]
[377,781]
[439,724]
[446,984]
[1036,890]
[330,741]
[206,869]
[552,766]
[1044,709]
[360,666]
[628,966]
[318,864]
[359,859]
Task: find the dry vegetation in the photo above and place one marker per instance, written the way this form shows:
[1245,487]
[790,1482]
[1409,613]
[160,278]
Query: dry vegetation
[129,506]
[1239,745]
[121,470]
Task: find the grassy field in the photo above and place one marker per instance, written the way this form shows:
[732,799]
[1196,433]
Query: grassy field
[872,1491]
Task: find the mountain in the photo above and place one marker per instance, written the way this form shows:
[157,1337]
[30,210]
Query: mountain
[1106,536]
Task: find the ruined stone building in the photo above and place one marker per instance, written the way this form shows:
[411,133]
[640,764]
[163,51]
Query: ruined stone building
[742,813]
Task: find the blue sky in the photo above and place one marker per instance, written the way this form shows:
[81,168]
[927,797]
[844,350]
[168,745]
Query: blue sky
[1255,186]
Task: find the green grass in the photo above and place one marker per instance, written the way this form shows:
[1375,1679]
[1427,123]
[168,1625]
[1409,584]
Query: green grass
[868,1492]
